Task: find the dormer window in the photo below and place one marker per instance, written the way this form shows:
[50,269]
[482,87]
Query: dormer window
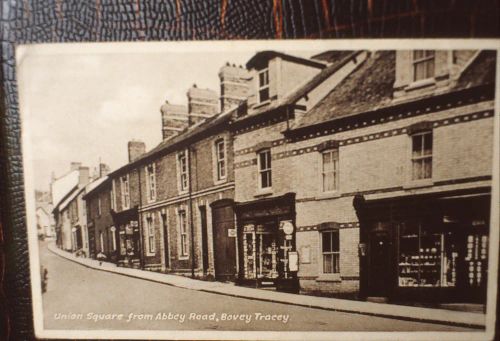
[423,64]
[264,85]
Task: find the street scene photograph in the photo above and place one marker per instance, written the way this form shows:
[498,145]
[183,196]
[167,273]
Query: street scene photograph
[276,188]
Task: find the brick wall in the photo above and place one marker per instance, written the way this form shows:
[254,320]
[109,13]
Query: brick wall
[102,222]
[203,177]
[177,263]
[460,150]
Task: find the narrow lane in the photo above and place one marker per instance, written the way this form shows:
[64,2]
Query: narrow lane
[78,297]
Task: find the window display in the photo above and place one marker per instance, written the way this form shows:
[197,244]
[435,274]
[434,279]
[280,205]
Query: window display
[427,258]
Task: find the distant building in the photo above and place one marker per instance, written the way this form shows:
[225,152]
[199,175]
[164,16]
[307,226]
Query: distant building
[69,209]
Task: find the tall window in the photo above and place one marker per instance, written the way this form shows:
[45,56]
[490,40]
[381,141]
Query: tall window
[183,233]
[330,170]
[112,229]
[101,240]
[423,64]
[112,195]
[220,154]
[422,155]
[151,234]
[99,206]
[125,192]
[183,171]
[264,85]
[265,169]
[330,247]
[151,182]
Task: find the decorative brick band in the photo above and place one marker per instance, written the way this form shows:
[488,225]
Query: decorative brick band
[390,118]
[350,225]
[400,188]
[372,137]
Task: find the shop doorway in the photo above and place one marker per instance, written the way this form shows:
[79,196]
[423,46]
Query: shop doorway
[380,265]
[260,246]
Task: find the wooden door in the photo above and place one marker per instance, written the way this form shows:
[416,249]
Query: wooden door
[224,236]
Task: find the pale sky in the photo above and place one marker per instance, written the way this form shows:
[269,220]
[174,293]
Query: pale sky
[85,102]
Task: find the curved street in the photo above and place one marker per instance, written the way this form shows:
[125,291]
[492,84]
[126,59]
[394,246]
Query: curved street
[78,297]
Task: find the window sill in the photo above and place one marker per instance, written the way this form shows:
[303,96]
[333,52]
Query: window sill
[184,191]
[262,104]
[328,195]
[183,257]
[418,184]
[149,254]
[423,83]
[263,192]
[329,278]
[220,182]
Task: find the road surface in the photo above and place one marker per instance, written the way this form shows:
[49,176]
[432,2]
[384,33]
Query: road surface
[78,297]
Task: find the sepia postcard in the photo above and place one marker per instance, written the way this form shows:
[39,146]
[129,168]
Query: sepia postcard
[262,190]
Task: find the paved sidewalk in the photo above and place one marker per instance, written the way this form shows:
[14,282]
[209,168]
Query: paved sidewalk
[476,320]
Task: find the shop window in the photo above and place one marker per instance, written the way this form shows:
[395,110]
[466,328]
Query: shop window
[423,64]
[125,192]
[330,249]
[264,85]
[183,233]
[427,257]
[330,174]
[151,234]
[265,175]
[183,171]
[220,157]
[421,155]
[151,182]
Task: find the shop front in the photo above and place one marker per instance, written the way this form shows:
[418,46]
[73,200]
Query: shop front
[431,248]
[266,243]
[129,246]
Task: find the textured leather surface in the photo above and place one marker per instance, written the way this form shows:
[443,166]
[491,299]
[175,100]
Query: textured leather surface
[37,21]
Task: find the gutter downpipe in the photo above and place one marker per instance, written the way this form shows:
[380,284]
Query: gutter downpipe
[190,199]
[139,215]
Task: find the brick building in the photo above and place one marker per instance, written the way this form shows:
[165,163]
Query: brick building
[392,172]
[284,87]
[103,235]
[125,199]
[184,190]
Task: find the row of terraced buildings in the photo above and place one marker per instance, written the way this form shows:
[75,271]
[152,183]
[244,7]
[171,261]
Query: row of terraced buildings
[351,173]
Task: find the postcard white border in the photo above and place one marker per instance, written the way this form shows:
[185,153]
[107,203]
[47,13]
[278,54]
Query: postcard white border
[250,45]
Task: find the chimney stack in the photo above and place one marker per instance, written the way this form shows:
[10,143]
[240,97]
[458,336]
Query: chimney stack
[103,169]
[202,104]
[83,176]
[75,166]
[174,119]
[135,150]
[234,86]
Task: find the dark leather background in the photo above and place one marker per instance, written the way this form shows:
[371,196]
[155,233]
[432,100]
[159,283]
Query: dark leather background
[43,21]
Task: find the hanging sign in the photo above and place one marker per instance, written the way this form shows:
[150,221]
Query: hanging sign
[231,232]
[287,226]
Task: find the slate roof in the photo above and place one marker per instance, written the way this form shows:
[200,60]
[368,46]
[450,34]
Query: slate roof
[95,185]
[370,87]
[172,143]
